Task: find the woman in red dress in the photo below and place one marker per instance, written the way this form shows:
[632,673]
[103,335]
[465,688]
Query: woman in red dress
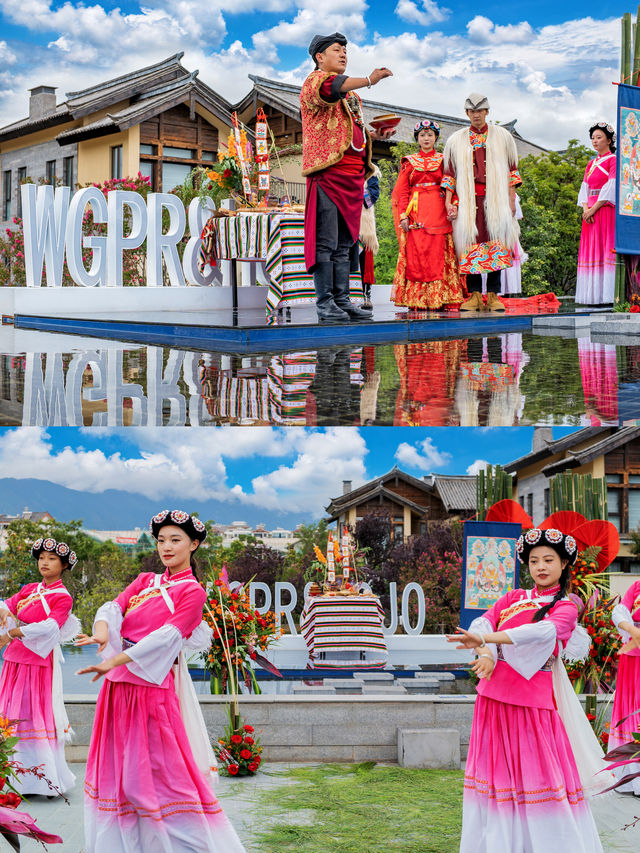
[427,273]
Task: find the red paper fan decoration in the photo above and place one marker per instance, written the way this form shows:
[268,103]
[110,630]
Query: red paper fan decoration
[601,534]
[565,520]
[509,510]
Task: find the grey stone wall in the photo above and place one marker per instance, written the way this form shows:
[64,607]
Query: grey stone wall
[35,158]
[536,486]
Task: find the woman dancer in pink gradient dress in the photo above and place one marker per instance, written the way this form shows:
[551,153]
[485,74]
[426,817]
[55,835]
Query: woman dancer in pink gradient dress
[35,618]
[149,783]
[522,789]
[626,617]
[596,259]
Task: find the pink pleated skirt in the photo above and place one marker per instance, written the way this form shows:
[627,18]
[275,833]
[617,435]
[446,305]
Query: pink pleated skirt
[143,789]
[25,695]
[522,793]
[626,702]
[595,283]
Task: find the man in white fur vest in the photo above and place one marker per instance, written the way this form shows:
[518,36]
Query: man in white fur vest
[481,169]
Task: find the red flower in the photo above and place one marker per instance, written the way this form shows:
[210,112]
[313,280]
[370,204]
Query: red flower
[2,781]
[218,582]
[236,738]
[249,740]
[253,767]
[227,173]
[248,728]
[257,759]
[245,753]
[233,769]
[635,309]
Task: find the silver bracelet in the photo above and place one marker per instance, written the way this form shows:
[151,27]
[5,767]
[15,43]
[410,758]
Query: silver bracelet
[482,642]
[369,83]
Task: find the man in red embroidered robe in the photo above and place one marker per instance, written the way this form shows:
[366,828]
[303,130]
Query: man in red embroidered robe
[336,161]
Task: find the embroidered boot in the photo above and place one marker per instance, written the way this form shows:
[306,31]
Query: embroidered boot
[473,303]
[494,302]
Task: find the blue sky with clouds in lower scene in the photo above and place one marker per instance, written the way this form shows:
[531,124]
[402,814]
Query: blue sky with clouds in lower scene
[549,65]
[117,478]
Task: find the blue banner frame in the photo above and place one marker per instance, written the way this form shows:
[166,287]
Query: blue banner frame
[490,565]
[627,238]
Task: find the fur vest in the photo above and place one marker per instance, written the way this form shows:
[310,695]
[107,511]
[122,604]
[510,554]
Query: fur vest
[368,234]
[501,158]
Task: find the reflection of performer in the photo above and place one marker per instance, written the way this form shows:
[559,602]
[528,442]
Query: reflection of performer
[625,717]
[487,392]
[150,767]
[428,373]
[599,371]
[427,270]
[336,161]
[335,388]
[35,620]
[523,791]
[595,283]
[480,165]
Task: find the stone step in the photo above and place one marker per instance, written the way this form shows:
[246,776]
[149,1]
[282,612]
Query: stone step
[376,676]
[419,685]
[429,748]
[345,685]
[312,689]
[384,689]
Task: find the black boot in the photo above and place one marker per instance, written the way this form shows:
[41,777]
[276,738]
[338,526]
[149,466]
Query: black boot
[328,311]
[341,292]
[367,303]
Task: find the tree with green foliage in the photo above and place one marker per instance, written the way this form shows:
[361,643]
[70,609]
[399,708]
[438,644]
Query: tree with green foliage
[551,220]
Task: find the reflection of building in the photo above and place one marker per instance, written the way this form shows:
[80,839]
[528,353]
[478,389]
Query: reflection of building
[131,541]
[408,501]
[599,451]
[25,515]
[160,120]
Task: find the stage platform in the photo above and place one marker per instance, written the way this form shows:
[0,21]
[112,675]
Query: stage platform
[245,331]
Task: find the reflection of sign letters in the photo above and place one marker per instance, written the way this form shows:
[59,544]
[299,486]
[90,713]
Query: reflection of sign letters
[53,231]
[93,390]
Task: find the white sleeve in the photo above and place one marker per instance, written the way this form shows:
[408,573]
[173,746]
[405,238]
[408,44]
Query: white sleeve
[608,191]
[619,614]
[583,195]
[483,626]
[41,638]
[153,656]
[200,640]
[533,645]
[11,621]
[112,615]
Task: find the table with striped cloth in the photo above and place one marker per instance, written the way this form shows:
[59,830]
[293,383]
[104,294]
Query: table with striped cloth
[277,239]
[344,623]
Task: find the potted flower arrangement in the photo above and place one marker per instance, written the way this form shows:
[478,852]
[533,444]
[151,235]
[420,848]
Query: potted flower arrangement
[14,823]
[240,634]
[239,751]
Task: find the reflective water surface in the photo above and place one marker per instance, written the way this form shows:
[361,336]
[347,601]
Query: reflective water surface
[504,380]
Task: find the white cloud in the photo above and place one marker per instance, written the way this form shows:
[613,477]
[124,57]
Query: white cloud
[484,31]
[306,470]
[423,13]
[477,466]
[423,455]
[345,18]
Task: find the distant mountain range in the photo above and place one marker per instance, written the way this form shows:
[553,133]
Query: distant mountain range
[116,510]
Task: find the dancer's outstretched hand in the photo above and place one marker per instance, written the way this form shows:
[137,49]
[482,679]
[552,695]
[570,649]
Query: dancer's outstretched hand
[483,666]
[100,669]
[86,640]
[466,639]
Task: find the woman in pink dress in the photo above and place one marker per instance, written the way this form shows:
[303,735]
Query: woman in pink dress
[149,770]
[596,258]
[35,620]
[522,789]
[626,617]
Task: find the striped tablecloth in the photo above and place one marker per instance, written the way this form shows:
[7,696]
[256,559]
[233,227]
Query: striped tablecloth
[344,623]
[277,239]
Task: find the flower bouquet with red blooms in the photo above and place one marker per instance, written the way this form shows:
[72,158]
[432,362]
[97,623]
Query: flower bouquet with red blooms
[597,674]
[14,823]
[240,635]
[239,750]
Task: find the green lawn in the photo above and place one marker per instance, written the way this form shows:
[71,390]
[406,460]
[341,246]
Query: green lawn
[334,808]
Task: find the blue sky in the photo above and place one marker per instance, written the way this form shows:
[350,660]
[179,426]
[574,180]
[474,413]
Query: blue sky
[255,473]
[548,64]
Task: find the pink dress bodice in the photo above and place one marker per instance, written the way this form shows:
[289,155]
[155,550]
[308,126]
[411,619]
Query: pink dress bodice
[145,610]
[36,602]
[631,600]
[599,171]
[506,685]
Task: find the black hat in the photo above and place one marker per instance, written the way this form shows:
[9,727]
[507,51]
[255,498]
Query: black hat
[60,548]
[320,43]
[563,544]
[191,525]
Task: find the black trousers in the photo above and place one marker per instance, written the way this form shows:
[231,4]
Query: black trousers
[333,238]
[474,282]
